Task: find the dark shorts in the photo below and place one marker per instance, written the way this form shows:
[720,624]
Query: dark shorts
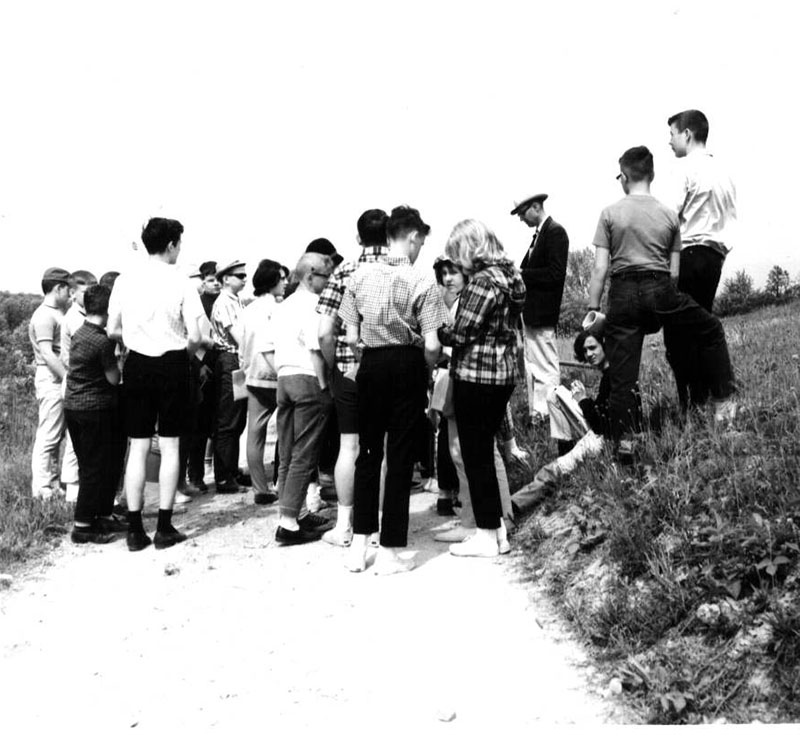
[345,398]
[156,394]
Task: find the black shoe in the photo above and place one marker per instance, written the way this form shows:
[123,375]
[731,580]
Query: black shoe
[196,487]
[264,498]
[115,524]
[314,522]
[138,540]
[244,479]
[231,487]
[90,535]
[444,507]
[165,539]
[303,536]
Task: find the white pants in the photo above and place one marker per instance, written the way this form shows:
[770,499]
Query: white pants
[542,371]
[49,432]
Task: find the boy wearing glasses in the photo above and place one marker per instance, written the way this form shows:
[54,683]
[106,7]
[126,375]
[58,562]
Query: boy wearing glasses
[231,414]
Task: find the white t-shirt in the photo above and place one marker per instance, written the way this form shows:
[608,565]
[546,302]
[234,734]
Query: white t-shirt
[154,302]
[295,329]
[257,338]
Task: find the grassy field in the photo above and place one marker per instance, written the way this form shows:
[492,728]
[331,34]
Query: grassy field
[681,572]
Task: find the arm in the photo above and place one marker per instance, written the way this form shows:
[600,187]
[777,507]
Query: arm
[112,374]
[478,299]
[432,349]
[320,369]
[554,271]
[598,278]
[675,264]
[353,336]
[52,360]
[327,338]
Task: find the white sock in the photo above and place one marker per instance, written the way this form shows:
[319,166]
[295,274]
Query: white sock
[344,518]
[290,524]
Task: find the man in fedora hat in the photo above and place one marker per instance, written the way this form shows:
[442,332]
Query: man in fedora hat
[544,269]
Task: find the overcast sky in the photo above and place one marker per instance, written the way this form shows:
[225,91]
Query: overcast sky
[262,126]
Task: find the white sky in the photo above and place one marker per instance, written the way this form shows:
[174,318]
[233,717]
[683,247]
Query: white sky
[264,125]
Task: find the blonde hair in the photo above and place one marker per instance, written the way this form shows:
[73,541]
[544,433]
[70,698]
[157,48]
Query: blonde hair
[472,245]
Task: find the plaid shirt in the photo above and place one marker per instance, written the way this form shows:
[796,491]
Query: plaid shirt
[331,299]
[484,334]
[91,354]
[225,317]
[393,303]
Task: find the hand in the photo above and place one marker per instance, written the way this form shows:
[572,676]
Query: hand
[518,454]
[578,390]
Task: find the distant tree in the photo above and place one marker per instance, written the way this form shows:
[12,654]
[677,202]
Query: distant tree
[579,271]
[778,282]
[740,287]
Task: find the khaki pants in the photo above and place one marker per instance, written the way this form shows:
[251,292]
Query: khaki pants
[542,370]
[49,433]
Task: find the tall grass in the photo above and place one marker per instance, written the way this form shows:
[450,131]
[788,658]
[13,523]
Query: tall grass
[27,525]
[696,580]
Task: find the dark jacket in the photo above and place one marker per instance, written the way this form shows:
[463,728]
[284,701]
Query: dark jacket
[597,412]
[544,270]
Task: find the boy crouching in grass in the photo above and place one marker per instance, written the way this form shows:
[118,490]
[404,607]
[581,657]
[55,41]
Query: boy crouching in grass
[91,408]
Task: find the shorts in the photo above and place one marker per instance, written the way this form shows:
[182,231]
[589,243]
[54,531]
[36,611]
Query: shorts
[345,398]
[156,393]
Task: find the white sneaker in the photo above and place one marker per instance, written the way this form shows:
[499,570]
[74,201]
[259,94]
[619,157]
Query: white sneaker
[725,410]
[182,498]
[454,535]
[374,540]
[338,537]
[475,545]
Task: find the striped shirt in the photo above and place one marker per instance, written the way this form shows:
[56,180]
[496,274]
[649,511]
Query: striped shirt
[484,334]
[393,303]
[331,299]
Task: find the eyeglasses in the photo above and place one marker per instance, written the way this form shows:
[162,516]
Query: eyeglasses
[240,275]
[320,274]
[618,177]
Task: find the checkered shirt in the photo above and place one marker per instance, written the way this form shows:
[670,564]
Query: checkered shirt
[484,334]
[91,354]
[394,303]
[331,299]
[225,316]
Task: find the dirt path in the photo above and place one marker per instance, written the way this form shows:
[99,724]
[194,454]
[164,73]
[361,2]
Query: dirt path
[230,631]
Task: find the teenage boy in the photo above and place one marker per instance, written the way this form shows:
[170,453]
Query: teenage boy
[391,311]
[44,332]
[209,285]
[91,407]
[79,281]
[707,215]
[341,361]
[159,327]
[304,399]
[638,243]
[231,414]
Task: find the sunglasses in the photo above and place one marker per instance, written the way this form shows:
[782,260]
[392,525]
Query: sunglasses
[320,274]
[240,275]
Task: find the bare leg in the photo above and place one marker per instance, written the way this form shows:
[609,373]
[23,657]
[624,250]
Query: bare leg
[135,473]
[168,472]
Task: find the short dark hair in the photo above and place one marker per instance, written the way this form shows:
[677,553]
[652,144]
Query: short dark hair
[268,274]
[159,232]
[48,284]
[693,120]
[108,278]
[82,278]
[209,268]
[580,340]
[637,163]
[405,219]
[95,300]
[372,227]
[440,265]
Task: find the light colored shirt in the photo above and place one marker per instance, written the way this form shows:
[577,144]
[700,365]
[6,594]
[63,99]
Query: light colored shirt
[45,326]
[257,339]
[707,209]
[73,321]
[295,329]
[394,304]
[154,302]
[225,317]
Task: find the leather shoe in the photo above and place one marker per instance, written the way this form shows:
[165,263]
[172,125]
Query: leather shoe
[138,540]
[90,535]
[243,479]
[198,487]
[165,539]
[285,537]
[115,524]
[231,487]
[314,522]
[264,498]
[444,507]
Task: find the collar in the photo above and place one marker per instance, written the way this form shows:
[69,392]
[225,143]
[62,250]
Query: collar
[370,252]
[397,260]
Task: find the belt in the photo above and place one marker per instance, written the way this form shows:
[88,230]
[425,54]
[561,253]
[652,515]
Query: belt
[629,275]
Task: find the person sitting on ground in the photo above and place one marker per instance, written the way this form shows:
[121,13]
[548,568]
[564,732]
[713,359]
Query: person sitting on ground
[91,409]
[576,418]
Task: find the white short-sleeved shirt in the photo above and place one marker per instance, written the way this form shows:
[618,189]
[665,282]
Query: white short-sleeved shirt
[257,339]
[295,330]
[154,302]
[73,321]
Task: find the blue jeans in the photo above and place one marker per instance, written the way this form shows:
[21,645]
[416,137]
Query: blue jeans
[302,411]
[641,303]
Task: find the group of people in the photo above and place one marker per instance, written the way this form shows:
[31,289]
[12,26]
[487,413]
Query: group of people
[377,343]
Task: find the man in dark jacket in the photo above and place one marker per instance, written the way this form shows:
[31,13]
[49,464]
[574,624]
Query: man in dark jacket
[544,269]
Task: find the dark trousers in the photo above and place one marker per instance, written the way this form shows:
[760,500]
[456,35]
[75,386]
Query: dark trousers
[230,421]
[641,303]
[98,439]
[479,412]
[701,269]
[391,394]
[445,469]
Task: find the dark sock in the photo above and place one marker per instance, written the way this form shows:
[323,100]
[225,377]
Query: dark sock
[135,520]
[164,520]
